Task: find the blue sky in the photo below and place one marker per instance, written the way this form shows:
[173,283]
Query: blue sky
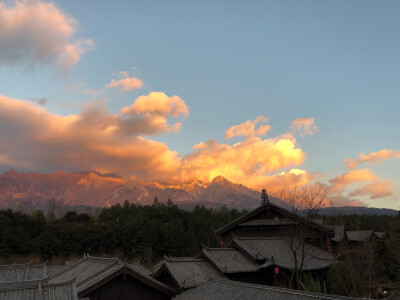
[337,62]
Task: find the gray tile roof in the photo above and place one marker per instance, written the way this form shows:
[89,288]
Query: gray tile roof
[359,236]
[135,268]
[188,272]
[38,290]
[91,270]
[280,252]
[22,272]
[53,270]
[217,289]
[229,260]
[339,233]
[271,222]
[83,270]
[141,269]
[289,214]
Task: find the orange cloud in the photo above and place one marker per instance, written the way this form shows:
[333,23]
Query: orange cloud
[305,126]
[157,103]
[340,200]
[373,157]
[286,180]
[248,128]
[94,139]
[248,162]
[374,190]
[343,180]
[126,84]
[38,33]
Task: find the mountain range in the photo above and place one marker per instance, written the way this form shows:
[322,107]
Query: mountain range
[28,191]
[32,190]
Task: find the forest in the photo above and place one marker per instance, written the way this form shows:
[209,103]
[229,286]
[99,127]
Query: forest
[129,231]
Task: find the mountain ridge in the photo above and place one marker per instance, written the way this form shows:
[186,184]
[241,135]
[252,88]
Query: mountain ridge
[33,189]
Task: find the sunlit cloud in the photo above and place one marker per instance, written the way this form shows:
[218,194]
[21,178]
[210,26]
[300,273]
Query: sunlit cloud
[248,162]
[375,190]
[340,200]
[39,33]
[248,128]
[343,180]
[35,139]
[304,126]
[373,157]
[158,104]
[126,83]
[93,139]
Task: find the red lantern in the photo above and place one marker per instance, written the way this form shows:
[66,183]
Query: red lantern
[222,243]
[276,271]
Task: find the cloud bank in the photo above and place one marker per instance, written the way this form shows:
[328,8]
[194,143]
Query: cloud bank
[31,137]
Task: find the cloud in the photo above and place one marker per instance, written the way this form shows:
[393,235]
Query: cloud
[96,139]
[287,180]
[343,180]
[375,190]
[126,84]
[340,200]
[248,128]
[248,162]
[40,101]
[93,139]
[157,104]
[35,139]
[39,33]
[373,157]
[305,126]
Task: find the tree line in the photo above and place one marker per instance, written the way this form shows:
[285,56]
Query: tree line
[131,231]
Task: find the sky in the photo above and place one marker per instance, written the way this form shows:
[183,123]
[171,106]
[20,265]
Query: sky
[269,94]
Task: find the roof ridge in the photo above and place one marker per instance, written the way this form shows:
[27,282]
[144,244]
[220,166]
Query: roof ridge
[284,290]
[69,267]
[15,265]
[99,272]
[255,250]
[183,259]
[218,249]
[101,258]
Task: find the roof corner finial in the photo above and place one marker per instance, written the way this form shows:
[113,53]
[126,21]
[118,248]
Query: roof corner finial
[264,197]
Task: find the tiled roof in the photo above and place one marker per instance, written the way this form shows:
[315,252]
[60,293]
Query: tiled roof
[217,289]
[89,271]
[280,252]
[138,271]
[229,260]
[187,272]
[271,222]
[339,233]
[38,290]
[282,210]
[140,268]
[83,270]
[16,273]
[359,236]
[53,270]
